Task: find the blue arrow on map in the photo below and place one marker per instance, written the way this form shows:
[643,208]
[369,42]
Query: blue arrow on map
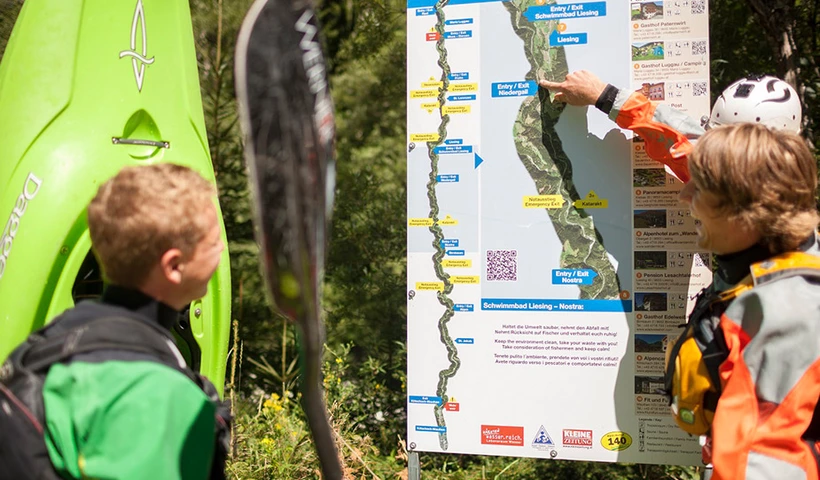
[478,160]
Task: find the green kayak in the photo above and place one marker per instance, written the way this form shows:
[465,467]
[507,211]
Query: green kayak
[87,87]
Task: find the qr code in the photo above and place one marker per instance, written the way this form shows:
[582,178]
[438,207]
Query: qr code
[698,6]
[698,89]
[502,265]
[699,47]
[701,260]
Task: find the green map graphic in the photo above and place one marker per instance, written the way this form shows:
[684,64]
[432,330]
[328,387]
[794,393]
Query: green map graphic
[438,235]
[542,154]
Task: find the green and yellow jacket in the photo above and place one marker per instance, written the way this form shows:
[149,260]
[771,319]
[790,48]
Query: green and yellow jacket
[123,415]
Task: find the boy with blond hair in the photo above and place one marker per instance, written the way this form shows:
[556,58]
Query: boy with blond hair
[120,401]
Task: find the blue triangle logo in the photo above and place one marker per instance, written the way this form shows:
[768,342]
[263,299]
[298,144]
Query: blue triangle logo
[543,438]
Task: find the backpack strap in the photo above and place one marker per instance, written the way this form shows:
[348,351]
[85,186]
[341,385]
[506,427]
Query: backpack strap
[106,333]
[789,264]
[785,265]
[727,296]
[709,305]
[698,327]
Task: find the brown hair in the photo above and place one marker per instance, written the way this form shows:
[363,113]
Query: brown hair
[766,179]
[143,212]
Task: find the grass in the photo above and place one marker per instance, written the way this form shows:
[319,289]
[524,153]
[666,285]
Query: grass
[272,441]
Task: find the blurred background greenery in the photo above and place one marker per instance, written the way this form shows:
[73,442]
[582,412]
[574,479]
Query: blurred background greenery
[365,292]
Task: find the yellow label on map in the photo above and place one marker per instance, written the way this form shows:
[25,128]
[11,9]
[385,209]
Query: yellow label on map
[424,137]
[592,201]
[432,84]
[430,105]
[453,263]
[468,279]
[420,222]
[543,201]
[451,109]
[423,93]
[447,221]
[616,441]
[430,286]
[462,87]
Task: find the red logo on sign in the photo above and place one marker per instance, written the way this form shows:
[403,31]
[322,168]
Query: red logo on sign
[502,435]
[433,36]
[451,407]
[577,438]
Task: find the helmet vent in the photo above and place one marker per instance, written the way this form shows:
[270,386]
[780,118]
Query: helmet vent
[744,90]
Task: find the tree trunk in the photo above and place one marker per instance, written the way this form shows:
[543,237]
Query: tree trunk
[779,19]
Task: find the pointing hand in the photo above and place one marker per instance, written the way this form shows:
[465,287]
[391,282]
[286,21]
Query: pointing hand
[580,88]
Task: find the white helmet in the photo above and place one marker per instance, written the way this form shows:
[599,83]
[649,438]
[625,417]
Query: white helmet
[759,99]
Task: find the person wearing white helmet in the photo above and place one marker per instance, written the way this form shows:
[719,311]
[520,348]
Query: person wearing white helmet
[669,135]
[668,132]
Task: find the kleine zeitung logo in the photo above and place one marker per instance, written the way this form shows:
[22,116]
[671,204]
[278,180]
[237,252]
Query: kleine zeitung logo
[577,438]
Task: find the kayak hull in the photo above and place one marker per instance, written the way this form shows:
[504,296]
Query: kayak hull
[88,87]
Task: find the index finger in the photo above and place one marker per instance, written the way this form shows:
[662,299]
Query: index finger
[550,85]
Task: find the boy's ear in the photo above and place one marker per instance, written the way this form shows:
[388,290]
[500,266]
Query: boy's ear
[172,266]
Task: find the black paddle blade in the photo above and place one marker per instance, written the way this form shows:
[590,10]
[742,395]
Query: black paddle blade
[287,116]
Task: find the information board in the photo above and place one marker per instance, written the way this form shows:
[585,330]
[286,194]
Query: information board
[549,260]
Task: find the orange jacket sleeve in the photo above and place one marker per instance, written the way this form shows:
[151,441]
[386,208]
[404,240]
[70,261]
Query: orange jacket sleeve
[666,131]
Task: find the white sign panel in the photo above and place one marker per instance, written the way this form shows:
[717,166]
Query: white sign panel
[549,259]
